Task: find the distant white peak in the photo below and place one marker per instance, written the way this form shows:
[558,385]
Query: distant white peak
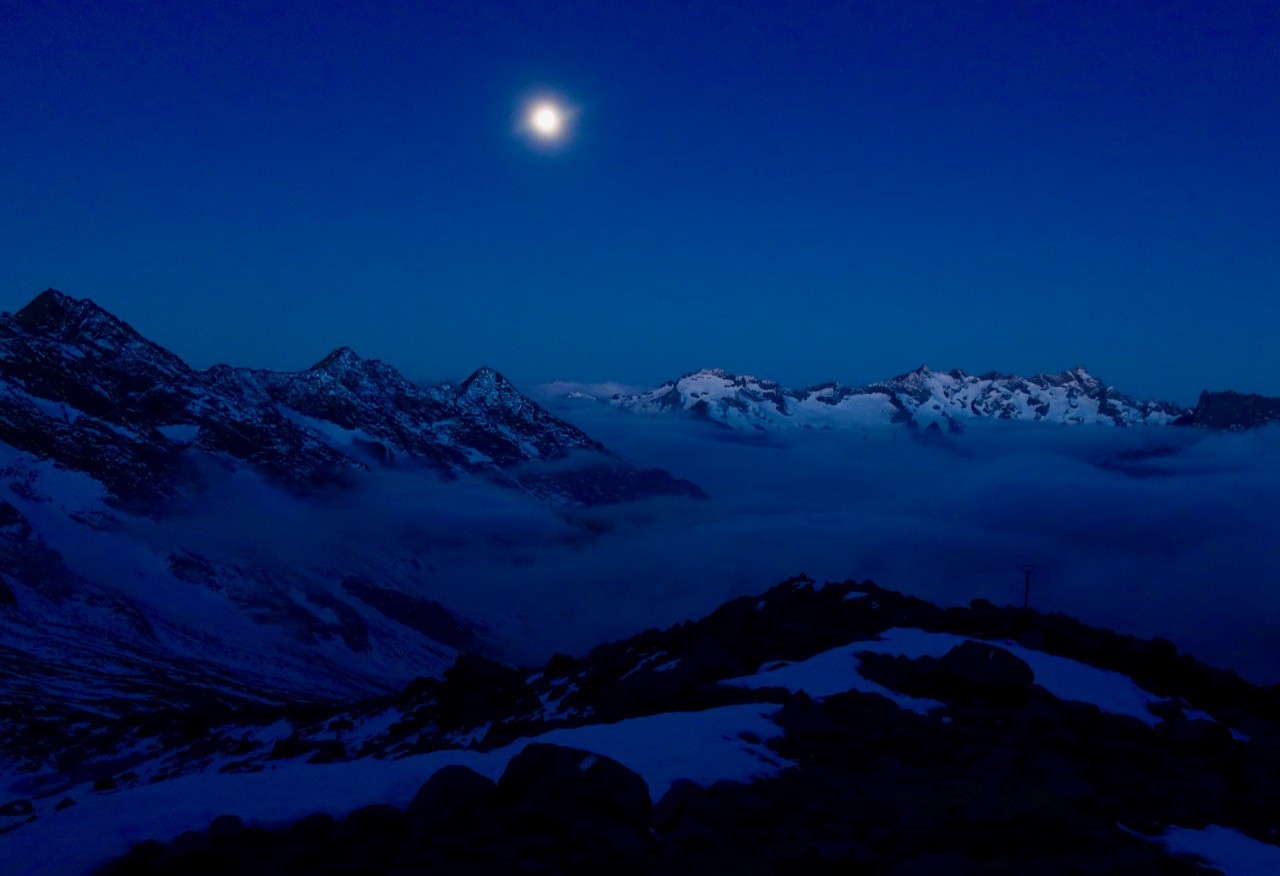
[719,375]
[925,374]
[711,373]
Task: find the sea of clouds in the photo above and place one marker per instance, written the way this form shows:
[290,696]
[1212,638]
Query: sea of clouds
[1152,530]
[1155,530]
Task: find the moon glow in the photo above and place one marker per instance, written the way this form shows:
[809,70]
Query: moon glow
[547,120]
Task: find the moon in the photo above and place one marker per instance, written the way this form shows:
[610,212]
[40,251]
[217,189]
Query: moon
[547,121]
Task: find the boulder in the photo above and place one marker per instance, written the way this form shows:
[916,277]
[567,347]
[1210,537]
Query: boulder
[453,791]
[551,778]
[226,827]
[978,669]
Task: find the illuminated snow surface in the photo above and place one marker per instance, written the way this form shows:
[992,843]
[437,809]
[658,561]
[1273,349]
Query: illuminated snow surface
[703,747]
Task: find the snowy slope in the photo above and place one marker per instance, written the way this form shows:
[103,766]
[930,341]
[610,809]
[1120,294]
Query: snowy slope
[703,747]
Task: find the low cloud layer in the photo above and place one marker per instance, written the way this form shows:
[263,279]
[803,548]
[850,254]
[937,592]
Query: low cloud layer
[1152,530]
[1155,531]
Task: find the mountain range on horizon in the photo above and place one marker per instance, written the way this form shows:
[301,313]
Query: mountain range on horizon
[935,401]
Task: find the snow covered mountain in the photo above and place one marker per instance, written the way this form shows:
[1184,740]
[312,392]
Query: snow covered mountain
[239,536]
[82,388]
[920,398]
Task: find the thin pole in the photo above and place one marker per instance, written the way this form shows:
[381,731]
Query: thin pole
[1026,588]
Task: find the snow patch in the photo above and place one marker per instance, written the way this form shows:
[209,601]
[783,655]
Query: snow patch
[703,747]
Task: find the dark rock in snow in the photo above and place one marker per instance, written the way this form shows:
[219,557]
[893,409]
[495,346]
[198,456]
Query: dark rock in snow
[975,669]
[554,779]
[449,793]
[16,807]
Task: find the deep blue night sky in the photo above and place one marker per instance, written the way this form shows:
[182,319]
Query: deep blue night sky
[800,191]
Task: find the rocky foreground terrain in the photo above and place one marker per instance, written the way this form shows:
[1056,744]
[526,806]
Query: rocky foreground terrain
[834,727]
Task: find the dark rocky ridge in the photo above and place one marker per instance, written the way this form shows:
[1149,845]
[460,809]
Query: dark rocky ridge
[1232,411]
[1004,778]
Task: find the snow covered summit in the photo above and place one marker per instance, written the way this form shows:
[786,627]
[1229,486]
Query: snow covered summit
[921,397]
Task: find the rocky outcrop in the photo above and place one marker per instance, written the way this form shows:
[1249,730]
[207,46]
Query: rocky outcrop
[1234,411]
[998,775]
[554,810]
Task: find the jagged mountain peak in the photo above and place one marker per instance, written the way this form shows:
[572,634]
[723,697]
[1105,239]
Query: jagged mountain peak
[488,388]
[1081,375]
[484,377]
[54,312]
[358,374]
[50,307]
[716,372]
[80,322]
[342,358]
[923,372]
